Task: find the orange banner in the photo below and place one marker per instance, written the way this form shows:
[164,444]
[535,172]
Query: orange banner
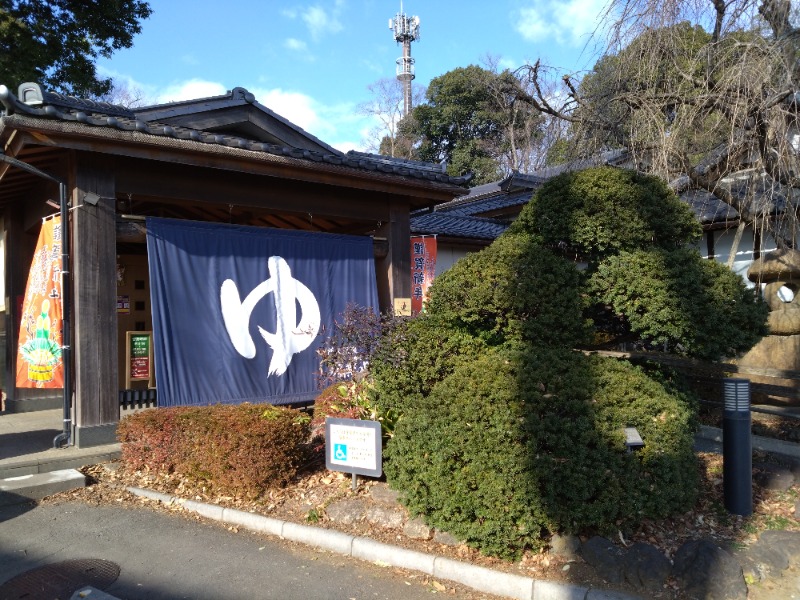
[39,362]
[423,270]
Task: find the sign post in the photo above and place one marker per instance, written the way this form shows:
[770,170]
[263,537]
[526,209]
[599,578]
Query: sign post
[353,446]
[139,357]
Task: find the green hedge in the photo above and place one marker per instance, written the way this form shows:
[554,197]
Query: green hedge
[459,457]
[514,289]
[517,443]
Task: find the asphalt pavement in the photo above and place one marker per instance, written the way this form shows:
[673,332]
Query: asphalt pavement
[166,557]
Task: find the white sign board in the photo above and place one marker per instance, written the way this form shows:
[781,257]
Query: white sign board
[353,446]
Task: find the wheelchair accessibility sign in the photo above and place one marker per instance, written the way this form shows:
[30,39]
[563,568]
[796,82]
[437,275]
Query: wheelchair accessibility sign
[353,446]
[340,452]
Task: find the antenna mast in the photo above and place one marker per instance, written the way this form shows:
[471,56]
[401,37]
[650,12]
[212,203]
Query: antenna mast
[405,30]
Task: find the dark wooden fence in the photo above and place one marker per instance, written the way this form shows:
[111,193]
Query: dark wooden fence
[138,398]
[768,387]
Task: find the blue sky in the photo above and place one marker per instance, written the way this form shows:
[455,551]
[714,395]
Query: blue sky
[311,61]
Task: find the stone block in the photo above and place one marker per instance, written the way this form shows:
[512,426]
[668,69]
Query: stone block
[17,490]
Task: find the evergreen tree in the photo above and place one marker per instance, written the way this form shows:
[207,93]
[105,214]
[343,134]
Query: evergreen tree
[55,42]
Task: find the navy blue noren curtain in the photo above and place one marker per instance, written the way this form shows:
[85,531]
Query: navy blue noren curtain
[239,312]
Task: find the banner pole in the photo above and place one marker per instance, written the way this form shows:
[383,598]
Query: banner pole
[65,437]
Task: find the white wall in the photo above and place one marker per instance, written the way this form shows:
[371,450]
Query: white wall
[723,242]
[447,256]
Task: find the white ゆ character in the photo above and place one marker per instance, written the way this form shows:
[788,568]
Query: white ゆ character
[289,337]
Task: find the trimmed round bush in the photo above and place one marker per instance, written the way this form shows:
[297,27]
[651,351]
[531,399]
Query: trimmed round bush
[424,351]
[603,210]
[696,305]
[660,479]
[507,433]
[519,442]
[460,458]
[515,289]
[644,283]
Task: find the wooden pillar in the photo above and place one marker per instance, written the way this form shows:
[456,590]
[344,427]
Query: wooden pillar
[394,270]
[96,407]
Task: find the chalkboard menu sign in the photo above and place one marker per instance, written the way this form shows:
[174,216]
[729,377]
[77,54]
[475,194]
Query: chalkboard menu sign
[139,357]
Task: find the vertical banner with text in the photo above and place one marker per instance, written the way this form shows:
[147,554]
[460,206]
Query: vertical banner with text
[423,269]
[39,360]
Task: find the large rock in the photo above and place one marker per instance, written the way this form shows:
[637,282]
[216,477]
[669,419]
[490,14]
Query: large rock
[773,477]
[761,561]
[605,557]
[383,494]
[773,352]
[707,572]
[778,265]
[386,517]
[785,542]
[567,546]
[347,511]
[442,537]
[645,567]
[416,529]
[784,322]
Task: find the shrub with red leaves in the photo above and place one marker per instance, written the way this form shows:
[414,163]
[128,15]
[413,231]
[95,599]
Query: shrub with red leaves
[240,450]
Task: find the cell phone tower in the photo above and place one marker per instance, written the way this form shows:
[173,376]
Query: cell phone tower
[405,30]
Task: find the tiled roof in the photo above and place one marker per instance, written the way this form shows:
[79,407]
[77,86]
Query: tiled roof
[708,208]
[105,115]
[447,224]
[515,189]
[478,206]
[458,218]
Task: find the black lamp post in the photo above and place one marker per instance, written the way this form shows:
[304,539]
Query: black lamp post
[65,437]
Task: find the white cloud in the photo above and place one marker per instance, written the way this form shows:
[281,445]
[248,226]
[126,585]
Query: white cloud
[507,63]
[320,22]
[376,67]
[295,45]
[189,90]
[347,145]
[531,25]
[568,22]
[298,108]
[335,125]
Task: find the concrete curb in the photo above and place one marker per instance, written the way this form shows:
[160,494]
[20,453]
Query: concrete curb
[24,488]
[478,578]
[52,461]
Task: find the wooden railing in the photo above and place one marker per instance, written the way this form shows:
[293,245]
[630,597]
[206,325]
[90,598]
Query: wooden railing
[781,387]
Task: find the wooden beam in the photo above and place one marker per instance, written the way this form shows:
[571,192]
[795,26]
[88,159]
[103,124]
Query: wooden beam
[103,140]
[179,182]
